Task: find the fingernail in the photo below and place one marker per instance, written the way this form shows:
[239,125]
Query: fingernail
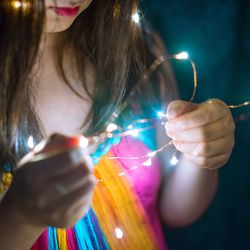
[76,156]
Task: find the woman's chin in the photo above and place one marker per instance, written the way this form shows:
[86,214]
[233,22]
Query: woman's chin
[58,26]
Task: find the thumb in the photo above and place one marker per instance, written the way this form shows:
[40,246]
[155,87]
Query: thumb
[179,107]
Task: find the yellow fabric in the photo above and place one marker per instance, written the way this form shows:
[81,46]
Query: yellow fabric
[116,206]
[5,182]
[62,239]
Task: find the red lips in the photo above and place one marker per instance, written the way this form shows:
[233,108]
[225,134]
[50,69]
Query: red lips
[66,11]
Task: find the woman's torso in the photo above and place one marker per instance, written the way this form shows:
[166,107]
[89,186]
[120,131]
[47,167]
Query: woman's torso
[60,110]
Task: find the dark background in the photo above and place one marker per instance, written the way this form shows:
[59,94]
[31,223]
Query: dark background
[216,33]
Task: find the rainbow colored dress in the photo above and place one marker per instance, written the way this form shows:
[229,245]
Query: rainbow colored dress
[124,213]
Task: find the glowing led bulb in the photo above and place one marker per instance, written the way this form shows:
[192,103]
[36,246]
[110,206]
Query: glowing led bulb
[182,56]
[30,142]
[174,160]
[130,127]
[121,174]
[151,154]
[111,127]
[83,142]
[118,233]
[20,4]
[147,163]
[160,114]
[133,132]
[136,17]
[17,4]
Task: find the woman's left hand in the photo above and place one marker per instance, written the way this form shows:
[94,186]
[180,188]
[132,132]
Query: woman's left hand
[204,132]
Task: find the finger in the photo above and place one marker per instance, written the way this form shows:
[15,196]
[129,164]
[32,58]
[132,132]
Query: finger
[53,198]
[213,148]
[200,117]
[63,163]
[56,144]
[80,208]
[59,213]
[61,141]
[206,133]
[80,205]
[178,107]
[82,191]
[71,215]
[208,163]
[72,180]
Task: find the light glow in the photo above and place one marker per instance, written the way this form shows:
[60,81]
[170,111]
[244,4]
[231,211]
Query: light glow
[83,142]
[181,56]
[136,17]
[17,4]
[30,142]
[160,114]
[133,132]
[20,4]
[118,233]
[147,163]
[152,154]
[174,160]
[111,127]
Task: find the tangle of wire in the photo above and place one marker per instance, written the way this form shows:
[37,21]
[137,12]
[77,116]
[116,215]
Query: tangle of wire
[115,131]
[134,128]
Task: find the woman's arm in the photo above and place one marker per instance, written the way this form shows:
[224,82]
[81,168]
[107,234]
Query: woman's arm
[51,187]
[15,233]
[204,134]
[186,193]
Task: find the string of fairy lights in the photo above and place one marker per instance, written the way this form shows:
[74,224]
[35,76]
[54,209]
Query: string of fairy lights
[137,126]
[115,131]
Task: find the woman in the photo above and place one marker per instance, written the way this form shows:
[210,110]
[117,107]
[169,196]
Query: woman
[66,67]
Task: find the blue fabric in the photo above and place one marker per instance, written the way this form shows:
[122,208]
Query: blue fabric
[104,148]
[53,243]
[89,234]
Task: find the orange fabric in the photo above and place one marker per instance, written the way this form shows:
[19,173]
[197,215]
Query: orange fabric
[117,207]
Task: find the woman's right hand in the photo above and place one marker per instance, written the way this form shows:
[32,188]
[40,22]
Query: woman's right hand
[55,191]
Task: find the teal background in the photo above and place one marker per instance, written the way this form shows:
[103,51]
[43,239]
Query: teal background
[216,33]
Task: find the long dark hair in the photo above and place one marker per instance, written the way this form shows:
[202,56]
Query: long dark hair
[115,46]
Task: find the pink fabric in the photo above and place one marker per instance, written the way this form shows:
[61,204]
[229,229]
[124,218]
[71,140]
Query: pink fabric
[42,242]
[146,179]
[71,239]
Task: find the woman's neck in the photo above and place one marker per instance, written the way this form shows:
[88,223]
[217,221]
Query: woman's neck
[50,42]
